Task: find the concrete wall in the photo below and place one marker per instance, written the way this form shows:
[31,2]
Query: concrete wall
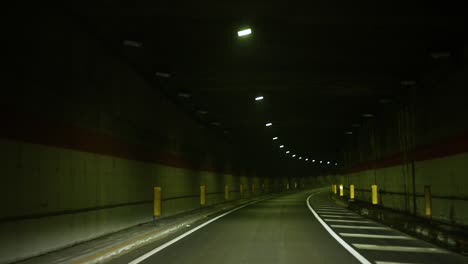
[420,139]
[85,138]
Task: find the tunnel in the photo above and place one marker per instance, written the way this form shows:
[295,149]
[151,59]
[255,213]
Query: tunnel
[234,132]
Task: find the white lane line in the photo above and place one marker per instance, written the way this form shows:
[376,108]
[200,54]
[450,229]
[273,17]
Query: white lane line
[341,216]
[361,227]
[389,262]
[350,249]
[399,248]
[332,211]
[335,213]
[347,221]
[374,236]
[165,245]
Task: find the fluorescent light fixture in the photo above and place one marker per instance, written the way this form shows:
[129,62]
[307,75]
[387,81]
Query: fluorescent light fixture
[287,152]
[294,155]
[336,164]
[367,115]
[313,160]
[184,95]
[258,98]
[244,32]
[300,157]
[268,124]
[282,146]
[163,74]
[328,162]
[320,161]
[202,112]
[306,159]
[132,43]
[348,132]
[275,138]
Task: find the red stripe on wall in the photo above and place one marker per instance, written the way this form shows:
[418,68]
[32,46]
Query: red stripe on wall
[21,127]
[444,148]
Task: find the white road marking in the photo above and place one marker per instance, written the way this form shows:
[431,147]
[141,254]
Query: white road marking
[347,221]
[362,227]
[374,236]
[341,216]
[399,248]
[350,249]
[165,245]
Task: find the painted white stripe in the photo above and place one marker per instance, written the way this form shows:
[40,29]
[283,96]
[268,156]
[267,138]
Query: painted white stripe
[347,221]
[350,249]
[332,211]
[387,262]
[341,216]
[361,227]
[165,245]
[335,213]
[374,236]
[327,207]
[399,248]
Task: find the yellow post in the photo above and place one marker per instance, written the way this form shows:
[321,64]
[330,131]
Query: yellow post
[334,189]
[295,185]
[351,192]
[202,195]
[226,192]
[375,199]
[341,189]
[241,190]
[427,201]
[157,202]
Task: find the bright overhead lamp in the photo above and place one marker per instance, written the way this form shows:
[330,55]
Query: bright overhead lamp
[336,164]
[282,146]
[348,132]
[320,161]
[328,162]
[258,98]
[313,160]
[268,124]
[244,32]
[306,159]
[294,155]
[275,138]
[300,157]
[287,152]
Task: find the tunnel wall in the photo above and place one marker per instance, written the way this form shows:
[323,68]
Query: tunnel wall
[85,138]
[420,141]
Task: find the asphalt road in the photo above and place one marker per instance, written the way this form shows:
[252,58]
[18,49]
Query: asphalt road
[285,230]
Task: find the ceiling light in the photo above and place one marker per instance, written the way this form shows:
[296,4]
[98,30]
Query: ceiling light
[328,162]
[282,146]
[320,161]
[300,157]
[258,98]
[336,164]
[132,43]
[268,124]
[306,159]
[202,112]
[313,160]
[163,74]
[287,152]
[367,115]
[275,138]
[348,132]
[184,95]
[294,155]
[244,32]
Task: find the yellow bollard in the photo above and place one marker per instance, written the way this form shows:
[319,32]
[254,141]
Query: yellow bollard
[375,199]
[226,192]
[341,189]
[351,191]
[334,189]
[295,185]
[427,201]
[157,202]
[241,190]
[202,195]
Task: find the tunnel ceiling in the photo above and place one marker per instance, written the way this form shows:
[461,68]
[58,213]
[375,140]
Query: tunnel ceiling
[319,66]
